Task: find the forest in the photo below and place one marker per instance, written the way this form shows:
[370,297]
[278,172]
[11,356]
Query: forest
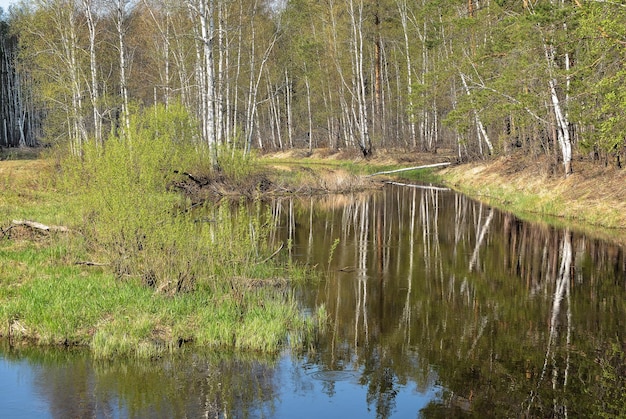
[476,78]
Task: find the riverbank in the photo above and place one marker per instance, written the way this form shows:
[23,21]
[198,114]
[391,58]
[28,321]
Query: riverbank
[67,288]
[592,199]
[132,275]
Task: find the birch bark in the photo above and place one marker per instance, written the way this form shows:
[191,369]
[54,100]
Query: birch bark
[120,25]
[94,91]
[201,12]
[358,77]
[562,123]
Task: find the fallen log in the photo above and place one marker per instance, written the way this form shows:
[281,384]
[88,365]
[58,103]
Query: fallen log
[90,263]
[427,166]
[191,177]
[39,226]
[427,187]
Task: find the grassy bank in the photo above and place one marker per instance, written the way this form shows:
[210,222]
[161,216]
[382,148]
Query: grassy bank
[47,301]
[141,269]
[593,198]
[207,285]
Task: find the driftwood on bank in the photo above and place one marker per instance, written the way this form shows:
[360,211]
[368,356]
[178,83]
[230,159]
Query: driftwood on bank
[39,226]
[90,263]
[191,177]
[406,169]
[427,187]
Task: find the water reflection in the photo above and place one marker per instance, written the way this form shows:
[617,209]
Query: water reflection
[438,306]
[430,287]
[72,385]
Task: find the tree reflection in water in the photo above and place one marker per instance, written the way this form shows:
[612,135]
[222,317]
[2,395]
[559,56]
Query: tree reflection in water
[426,291]
[428,287]
[73,385]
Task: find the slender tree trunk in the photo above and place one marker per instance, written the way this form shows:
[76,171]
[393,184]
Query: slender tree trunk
[378,116]
[67,23]
[481,131]
[288,99]
[94,89]
[308,102]
[120,25]
[202,11]
[562,123]
[254,86]
[358,77]
[403,11]
[251,105]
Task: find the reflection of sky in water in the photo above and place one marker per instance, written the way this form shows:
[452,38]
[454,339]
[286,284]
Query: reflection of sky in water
[433,309]
[18,398]
[302,391]
[308,394]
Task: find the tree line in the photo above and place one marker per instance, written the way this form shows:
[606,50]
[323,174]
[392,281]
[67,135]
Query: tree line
[479,77]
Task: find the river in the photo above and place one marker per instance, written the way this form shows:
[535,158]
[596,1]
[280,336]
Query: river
[437,306]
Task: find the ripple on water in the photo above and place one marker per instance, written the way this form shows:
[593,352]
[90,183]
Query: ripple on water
[342,375]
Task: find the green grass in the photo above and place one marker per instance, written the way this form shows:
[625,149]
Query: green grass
[552,209]
[165,280]
[49,303]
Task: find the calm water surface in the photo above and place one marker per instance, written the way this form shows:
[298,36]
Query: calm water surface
[438,306]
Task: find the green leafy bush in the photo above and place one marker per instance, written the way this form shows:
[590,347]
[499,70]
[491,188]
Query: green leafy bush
[143,230]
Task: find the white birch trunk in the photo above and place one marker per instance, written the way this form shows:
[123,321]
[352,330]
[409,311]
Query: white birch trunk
[250,107]
[202,12]
[288,99]
[94,90]
[482,133]
[66,21]
[562,123]
[359,91]
[308,102]
[403,10]
[206,32]
[220,76]
[120,26]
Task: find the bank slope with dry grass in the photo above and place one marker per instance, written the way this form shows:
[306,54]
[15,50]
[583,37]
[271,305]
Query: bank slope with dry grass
[593,197]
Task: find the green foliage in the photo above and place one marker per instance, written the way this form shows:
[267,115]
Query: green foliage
[170,274]
[236,164]
[612,382]
[144,231]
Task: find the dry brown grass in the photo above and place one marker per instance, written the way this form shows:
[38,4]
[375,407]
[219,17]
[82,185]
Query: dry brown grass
[24,173]
[593,194]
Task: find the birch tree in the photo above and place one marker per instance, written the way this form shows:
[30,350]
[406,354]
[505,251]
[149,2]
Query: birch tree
[559,95]
[359,110]
[201,12]
[122,10]
[94,91]
[51,47]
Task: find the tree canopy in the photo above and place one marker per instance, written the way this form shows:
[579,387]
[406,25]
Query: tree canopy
[476,78]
